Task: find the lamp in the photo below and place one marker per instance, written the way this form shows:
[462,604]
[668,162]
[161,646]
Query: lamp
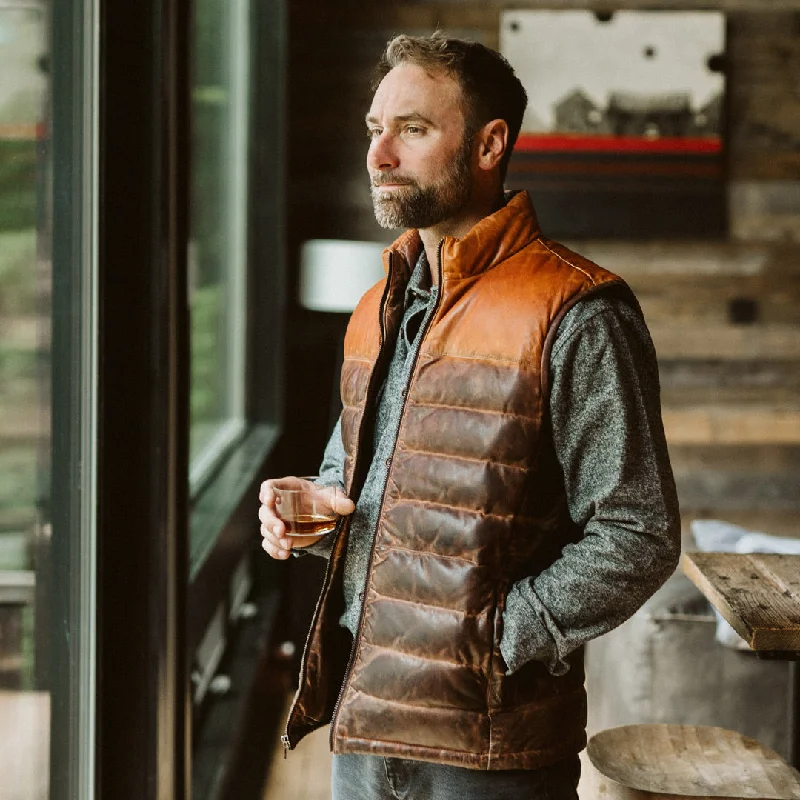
[335,273]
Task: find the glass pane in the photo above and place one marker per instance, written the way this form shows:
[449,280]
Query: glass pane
[34,598]
[218,238]
[24,403]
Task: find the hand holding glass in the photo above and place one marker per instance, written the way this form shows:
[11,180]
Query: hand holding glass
[307,510]
[297,512]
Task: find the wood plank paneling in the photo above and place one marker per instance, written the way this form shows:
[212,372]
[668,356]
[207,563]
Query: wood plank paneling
[329,94]
[636,5]
[764,57]
[685,287]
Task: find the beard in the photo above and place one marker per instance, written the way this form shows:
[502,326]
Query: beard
[416,206]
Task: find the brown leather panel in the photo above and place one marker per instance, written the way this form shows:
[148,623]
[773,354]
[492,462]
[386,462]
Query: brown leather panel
[577,261]
[440,728]
[493,240]
[441,633]
[457,482]
[363,341]
[531,759]
[405,251]
[351,421]
[354,378]
[415,681]
[450,532]
[493,386]
[533,679]
[539,726]
[389,749]
[525,293]
[326,654]
[430,580]
[454,336]
[475,434]
[347,474]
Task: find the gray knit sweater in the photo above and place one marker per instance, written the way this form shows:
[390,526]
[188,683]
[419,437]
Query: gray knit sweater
[609,439]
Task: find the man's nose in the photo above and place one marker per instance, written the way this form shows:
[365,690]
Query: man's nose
[382,153]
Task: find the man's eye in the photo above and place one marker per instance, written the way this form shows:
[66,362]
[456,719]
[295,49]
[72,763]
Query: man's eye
[414,130]
[373,133]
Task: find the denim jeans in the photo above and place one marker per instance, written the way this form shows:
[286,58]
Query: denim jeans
[357,777]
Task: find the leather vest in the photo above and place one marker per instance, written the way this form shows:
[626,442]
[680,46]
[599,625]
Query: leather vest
[474,501]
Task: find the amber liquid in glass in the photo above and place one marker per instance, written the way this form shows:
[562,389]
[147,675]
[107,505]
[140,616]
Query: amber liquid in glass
[310,525]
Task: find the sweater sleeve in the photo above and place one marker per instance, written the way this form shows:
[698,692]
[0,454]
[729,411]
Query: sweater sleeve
[331,473]
[331,470]
[609,439]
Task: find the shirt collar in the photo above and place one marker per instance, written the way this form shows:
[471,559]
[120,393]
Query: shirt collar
[419,285]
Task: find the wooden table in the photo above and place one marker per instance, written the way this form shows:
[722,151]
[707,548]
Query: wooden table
[759,595]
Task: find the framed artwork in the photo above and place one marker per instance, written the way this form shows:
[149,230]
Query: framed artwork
[623,135]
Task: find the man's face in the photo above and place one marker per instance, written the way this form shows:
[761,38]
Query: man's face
[419,158]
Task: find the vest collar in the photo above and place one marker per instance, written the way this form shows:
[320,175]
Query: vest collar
[494,239]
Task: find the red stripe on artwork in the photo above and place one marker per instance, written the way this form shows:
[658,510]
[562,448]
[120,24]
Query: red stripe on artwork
[530,143]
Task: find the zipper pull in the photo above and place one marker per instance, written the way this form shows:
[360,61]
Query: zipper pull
[286,746]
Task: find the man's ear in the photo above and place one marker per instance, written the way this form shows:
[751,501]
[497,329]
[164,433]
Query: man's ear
[492,143]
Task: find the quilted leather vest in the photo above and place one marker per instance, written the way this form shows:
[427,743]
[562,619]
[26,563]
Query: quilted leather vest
[474,501]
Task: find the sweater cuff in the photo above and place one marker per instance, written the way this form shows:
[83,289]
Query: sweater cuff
[323,548]
[526,636]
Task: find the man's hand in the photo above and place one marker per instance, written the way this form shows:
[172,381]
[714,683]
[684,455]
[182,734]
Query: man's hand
[275,540]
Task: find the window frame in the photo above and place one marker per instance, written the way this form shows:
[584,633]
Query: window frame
[223,511]
[142,434]
[241,464]
[158,589]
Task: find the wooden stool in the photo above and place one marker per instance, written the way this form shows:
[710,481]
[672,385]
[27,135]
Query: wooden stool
[673,762]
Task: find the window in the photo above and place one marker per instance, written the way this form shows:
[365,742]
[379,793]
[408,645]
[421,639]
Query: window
[75,394]
[235,290]
[47,399]
[235,264]
[219,224]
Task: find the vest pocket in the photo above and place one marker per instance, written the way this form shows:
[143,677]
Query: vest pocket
[497,666]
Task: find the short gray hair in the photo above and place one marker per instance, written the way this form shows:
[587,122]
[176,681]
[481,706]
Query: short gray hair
[490,88]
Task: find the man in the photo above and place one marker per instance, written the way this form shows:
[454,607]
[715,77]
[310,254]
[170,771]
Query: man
[509,494]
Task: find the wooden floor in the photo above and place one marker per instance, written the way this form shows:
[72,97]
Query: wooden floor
[306,773]
[25,751]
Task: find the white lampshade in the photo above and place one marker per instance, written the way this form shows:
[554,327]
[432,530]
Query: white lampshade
[334,273]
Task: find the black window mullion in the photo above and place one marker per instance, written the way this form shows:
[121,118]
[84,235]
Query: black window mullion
[267,281]
[143,402]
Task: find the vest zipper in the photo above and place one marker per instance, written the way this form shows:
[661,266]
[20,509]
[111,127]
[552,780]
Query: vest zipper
[285,740]
[351,660]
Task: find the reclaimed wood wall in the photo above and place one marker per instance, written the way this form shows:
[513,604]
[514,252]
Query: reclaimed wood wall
[332,52]
[333,48]
[332,55]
